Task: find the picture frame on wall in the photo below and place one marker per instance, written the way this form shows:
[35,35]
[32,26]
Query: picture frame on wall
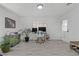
[10,23]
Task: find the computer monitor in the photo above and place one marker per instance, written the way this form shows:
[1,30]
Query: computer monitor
[34,30]
[42,29]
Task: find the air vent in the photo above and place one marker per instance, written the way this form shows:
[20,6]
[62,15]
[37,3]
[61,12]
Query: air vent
[68,4]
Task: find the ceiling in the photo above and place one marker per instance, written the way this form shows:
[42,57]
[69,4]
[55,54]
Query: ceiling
[49,9]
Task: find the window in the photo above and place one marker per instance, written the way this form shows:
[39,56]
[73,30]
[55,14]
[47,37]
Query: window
[64,25]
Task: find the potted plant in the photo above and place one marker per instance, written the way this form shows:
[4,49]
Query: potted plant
[27,32]
[5,46]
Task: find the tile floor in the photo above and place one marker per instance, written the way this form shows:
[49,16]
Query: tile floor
[49,48]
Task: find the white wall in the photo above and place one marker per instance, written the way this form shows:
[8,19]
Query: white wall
[73,25]
[53,24]
[6,13]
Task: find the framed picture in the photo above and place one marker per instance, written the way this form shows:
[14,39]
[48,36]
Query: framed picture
[10,23]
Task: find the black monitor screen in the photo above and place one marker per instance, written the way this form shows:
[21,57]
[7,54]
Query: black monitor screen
[42,29]
[34,30]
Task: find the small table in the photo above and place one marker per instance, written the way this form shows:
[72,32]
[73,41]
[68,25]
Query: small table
[75,45]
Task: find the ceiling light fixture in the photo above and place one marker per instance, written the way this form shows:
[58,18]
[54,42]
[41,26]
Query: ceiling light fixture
[40,6]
